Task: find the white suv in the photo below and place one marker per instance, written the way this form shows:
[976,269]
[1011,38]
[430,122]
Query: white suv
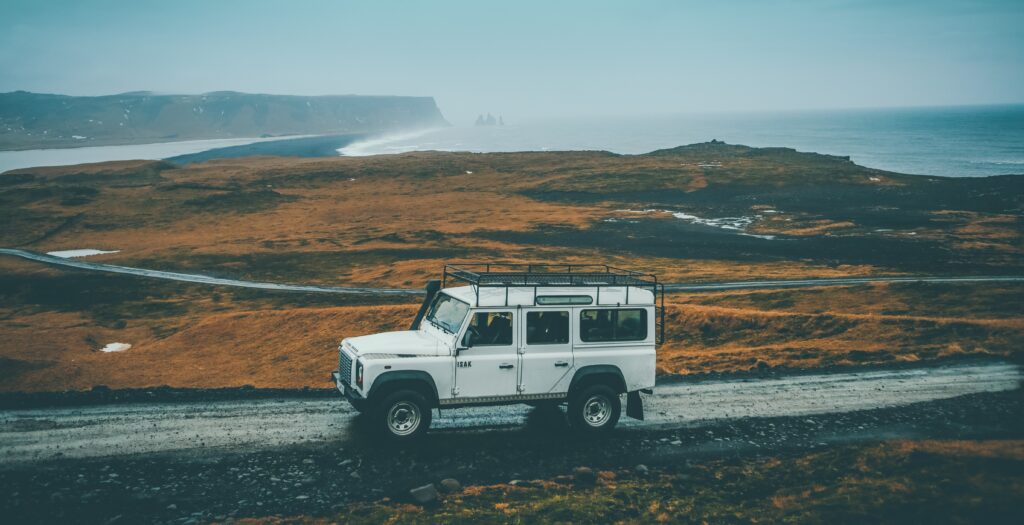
[535,334]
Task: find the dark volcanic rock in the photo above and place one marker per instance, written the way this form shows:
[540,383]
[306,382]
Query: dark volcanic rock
[425,495]
[584,476]
[450,485]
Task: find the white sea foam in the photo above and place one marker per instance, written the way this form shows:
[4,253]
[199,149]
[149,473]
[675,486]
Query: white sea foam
[392,143]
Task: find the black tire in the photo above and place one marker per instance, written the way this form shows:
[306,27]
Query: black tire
[594,409]
[403,415]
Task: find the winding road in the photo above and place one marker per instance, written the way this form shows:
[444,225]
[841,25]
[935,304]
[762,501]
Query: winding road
[676,287]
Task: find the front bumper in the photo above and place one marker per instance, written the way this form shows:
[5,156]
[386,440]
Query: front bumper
[344,388]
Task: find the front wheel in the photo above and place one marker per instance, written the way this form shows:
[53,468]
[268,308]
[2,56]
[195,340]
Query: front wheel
[594,409]
[403,415]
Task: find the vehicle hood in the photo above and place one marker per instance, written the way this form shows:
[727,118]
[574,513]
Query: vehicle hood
[406,342]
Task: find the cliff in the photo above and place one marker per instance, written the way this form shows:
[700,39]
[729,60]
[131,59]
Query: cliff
[34,120]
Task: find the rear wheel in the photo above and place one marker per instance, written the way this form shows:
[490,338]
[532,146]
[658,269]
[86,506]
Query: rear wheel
[594,409]
[403,415]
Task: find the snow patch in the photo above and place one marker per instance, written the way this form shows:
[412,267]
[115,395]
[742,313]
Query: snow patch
[68,254]
[115,347]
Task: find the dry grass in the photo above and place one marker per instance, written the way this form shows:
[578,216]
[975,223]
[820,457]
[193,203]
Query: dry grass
[394,220]
[192,336]
[267,348]
[836,327]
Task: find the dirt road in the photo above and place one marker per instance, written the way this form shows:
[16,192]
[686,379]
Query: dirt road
[201,462]
[677,287]
[118,430]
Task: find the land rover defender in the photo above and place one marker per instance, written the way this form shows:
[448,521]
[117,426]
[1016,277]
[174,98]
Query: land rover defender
[582,335]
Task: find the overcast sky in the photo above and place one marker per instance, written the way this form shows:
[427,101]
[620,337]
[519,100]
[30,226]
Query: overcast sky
[526,59]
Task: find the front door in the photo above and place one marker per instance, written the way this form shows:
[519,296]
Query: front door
[487,362]
[547,351]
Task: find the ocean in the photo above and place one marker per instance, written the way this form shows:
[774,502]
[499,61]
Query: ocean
[966,141]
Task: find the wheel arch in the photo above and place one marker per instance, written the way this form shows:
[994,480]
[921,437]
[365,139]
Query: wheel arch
[610,375]
[417,380]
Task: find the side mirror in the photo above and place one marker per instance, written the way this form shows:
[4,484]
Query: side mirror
[469,339]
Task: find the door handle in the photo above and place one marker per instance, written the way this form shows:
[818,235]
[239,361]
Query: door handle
[505,366]
[561,363]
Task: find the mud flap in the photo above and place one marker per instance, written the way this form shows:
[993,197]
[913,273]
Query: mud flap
[634,406]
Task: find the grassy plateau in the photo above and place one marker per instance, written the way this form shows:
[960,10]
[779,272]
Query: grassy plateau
[704,212]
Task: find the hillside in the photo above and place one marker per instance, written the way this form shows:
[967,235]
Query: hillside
[35,120]
[750,210]
[703,212]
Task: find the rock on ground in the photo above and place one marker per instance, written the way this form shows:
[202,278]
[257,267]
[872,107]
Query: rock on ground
[425,495]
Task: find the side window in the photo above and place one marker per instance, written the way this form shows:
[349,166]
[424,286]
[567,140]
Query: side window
[490,329]
[613,325]
[547,328]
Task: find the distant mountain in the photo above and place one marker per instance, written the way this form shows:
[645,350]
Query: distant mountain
[35,120]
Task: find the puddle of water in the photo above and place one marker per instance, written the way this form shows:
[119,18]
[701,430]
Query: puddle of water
[736,224]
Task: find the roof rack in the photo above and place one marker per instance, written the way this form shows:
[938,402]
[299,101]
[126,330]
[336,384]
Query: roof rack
[502,274]
[495,275]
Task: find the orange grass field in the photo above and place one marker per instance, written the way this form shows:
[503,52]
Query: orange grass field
[190,337]
[394,220]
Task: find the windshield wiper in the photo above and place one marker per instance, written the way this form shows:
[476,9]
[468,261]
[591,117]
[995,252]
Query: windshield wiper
[439,325]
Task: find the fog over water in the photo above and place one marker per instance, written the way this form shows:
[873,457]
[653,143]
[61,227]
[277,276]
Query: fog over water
[956,141]
[627,77]
[530,58]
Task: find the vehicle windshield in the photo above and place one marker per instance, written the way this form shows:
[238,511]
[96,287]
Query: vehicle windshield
[448,312]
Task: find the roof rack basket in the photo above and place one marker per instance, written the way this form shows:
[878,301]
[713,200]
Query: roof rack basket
[508,275]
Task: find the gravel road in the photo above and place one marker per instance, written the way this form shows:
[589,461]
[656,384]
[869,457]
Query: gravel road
[189,462]
[119,430]
[678,287]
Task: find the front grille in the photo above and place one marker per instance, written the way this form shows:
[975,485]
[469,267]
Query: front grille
[344,366]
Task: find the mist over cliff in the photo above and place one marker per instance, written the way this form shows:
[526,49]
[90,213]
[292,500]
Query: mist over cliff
[35,120]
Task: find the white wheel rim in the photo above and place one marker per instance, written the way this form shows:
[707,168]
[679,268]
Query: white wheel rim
[404,418]
[597,410]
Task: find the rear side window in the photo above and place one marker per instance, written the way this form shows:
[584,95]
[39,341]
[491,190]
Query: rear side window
[613,325]
[547,328]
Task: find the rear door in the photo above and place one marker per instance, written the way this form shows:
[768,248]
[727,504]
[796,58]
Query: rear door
[546,350]
[487,362]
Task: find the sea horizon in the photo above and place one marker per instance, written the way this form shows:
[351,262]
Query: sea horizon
[960,140]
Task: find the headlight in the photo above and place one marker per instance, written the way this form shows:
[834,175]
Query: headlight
[359,374]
